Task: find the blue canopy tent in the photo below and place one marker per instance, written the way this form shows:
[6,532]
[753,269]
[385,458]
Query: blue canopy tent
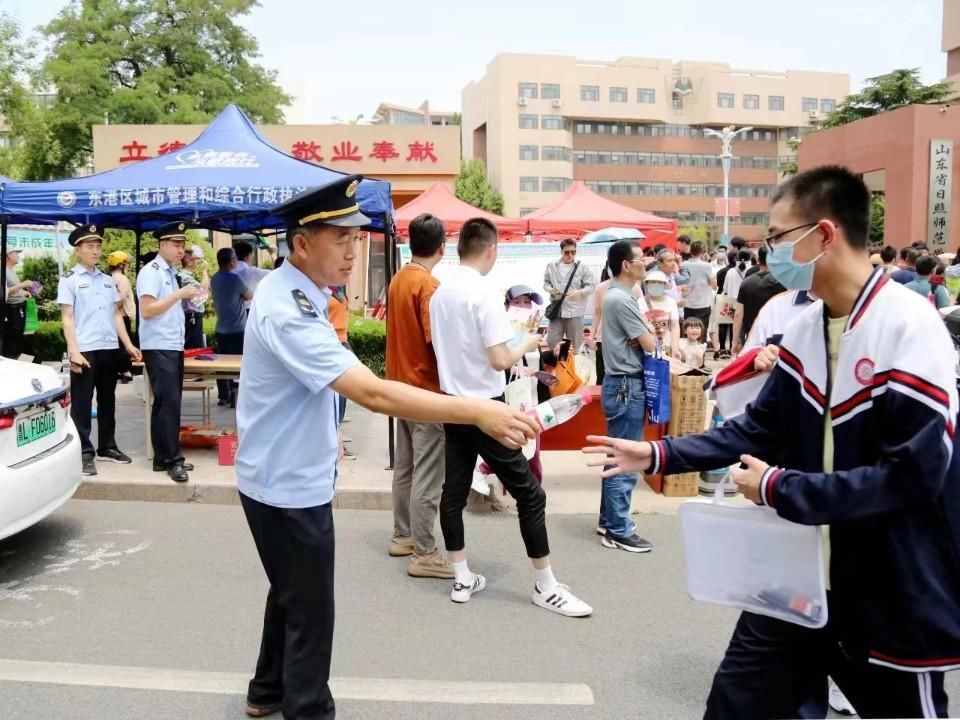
[228,179]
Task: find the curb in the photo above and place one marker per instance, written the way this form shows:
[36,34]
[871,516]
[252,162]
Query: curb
[213,494]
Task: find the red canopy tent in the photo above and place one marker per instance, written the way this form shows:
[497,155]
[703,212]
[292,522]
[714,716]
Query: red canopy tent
[439,200]
[580,210]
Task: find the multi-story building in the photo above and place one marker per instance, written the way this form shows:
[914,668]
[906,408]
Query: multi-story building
[951,42]
[390,114]
[632,129]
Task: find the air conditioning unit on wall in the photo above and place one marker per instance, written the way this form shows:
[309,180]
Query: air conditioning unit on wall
[522,101]
[813,114]
[557,103]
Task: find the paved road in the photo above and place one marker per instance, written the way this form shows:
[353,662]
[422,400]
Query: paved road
[152,611]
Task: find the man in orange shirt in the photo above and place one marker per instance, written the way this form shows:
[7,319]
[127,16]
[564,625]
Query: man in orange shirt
[337,315]
[418,468]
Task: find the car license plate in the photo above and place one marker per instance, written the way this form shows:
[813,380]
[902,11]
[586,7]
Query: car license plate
[35,427]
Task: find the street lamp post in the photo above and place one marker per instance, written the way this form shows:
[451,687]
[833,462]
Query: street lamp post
[726,136]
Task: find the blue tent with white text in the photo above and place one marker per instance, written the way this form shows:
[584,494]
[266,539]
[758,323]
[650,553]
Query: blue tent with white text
[229,179]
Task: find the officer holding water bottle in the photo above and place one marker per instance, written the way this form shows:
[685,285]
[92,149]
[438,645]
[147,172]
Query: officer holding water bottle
[286,462]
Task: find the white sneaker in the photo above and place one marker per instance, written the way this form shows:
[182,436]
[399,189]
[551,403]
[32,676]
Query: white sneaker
[461,593]
[561,601]
[838,701]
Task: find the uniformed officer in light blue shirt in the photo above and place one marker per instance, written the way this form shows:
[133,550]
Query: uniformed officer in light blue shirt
[293,370]
[161,328]
[93,327]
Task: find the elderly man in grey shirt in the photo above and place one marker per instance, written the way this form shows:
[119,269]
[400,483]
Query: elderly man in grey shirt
[626,336]
[556,278]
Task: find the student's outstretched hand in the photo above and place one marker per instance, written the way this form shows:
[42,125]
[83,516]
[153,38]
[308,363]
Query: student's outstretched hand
[623,455]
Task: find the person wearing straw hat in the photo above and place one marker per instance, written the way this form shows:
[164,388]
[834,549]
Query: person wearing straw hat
[117,263]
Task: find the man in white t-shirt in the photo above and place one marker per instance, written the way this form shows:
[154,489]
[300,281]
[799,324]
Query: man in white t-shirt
[474,344]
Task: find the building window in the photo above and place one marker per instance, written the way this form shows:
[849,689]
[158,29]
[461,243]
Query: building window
[827,105]
[526,211]
[556,184]
[724,100]
[618,94]
[590,93]
[528,90]
[554,122]
[529,183]
[556,152]
[529,152]
[808,104]
[751,102]
[775,102]
[528,122]
[550,91]
[646,95]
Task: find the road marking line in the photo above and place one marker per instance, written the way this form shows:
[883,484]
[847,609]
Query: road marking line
[462,692]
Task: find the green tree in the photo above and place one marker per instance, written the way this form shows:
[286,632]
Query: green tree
[878,208]
[789,167]
[887,92]
[28,140]
[473,187]
[696,231]
[150,61]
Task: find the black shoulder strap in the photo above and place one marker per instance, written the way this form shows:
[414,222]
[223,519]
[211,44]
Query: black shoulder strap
[569,280]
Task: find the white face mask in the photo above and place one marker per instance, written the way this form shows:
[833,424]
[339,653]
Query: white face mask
[656,289]
[520,314]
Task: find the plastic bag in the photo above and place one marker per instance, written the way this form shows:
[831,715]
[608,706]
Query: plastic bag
[32,323]
[521,394]
[656,388]
[587,365]
[750,558]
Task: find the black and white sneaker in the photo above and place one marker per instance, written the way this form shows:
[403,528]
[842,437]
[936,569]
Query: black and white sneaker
[634,543]
[89,467]
[561,601]
[115,456]
[601,530]
[461,593]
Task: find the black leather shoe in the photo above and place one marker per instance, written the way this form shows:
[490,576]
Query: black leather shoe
[161,467]
[262,710]
[178,473]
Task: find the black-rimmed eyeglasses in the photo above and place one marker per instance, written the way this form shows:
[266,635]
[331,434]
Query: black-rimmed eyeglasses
[771,240]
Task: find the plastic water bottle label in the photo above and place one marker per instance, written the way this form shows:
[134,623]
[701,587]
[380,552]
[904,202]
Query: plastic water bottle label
[546,416]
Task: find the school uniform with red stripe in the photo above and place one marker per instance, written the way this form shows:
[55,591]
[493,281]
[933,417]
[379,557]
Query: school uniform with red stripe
[893,499]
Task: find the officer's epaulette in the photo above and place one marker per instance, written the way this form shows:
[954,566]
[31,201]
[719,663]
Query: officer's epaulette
[303,304]
[155,265]
[68,273]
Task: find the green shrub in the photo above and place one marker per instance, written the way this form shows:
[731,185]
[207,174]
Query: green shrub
[47,343]
[368,338]
[44,271]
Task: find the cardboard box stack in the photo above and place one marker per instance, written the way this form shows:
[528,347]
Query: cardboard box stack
[688,416]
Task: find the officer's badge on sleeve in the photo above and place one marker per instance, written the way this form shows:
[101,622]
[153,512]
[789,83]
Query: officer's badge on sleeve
[303,304]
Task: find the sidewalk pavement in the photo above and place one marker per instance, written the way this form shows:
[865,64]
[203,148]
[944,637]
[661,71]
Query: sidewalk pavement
[364,483]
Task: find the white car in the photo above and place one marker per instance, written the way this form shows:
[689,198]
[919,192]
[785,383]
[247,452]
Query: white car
[39,446]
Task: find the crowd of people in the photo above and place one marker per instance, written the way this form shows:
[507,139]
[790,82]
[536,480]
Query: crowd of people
[853,430]
[110,323]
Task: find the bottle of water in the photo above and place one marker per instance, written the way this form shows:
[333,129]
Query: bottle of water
[561,408]
[65,370]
